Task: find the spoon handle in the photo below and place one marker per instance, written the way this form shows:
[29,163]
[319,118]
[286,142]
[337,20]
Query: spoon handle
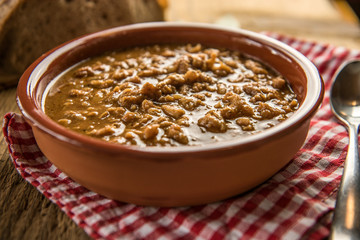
[346,220]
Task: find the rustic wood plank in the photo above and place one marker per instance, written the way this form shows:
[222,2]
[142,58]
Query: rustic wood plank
[317,20]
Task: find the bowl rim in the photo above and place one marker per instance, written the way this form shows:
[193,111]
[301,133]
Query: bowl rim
[37,118]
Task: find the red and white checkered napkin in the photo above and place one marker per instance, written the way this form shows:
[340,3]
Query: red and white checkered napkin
[294,204]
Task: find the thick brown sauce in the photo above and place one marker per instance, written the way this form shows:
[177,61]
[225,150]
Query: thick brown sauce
[170,96]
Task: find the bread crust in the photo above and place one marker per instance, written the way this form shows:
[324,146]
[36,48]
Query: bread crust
[29,28]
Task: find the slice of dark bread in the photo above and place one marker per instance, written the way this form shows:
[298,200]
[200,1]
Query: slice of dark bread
[28,28]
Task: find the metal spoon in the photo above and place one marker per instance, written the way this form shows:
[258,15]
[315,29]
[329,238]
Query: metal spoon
[345,104]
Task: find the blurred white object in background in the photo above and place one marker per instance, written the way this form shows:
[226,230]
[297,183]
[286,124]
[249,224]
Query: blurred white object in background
[228,20]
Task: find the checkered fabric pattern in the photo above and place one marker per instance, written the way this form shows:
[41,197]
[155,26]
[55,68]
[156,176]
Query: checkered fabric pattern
[296,203]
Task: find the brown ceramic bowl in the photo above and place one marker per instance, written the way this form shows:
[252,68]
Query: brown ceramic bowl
[171,176]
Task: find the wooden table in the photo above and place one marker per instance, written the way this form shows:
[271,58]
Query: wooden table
[27,214]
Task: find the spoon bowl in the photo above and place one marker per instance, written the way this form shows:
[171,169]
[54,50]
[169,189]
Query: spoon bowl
[345,104]
[345,94]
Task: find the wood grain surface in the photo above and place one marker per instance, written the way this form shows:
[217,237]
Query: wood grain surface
[26,214]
